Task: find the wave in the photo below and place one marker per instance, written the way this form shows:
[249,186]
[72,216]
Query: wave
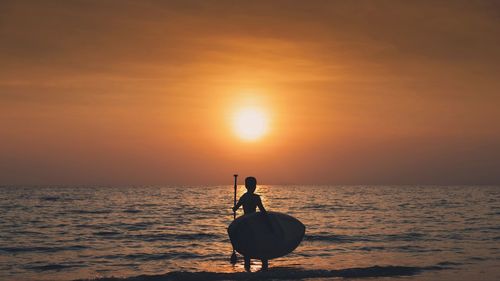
[50,198]
[337,238]
[107,233]
[158,256]
[405,248]
[132,211]
[53,267]
[282,273]
[174,237]
[91,211]
[449,263]
[42,249]
[326,207]
[323,237]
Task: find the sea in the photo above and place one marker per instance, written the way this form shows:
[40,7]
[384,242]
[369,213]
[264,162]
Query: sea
[180,233]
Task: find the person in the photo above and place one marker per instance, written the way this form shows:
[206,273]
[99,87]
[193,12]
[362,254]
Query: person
[250,201]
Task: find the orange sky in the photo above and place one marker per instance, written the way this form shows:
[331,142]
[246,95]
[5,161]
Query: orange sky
[142,92]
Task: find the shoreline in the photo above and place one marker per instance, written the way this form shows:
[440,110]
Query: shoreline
[282,273]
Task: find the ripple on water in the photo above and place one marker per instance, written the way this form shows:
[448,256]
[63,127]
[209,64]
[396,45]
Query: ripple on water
[53,249]
[52,233]
[53,267]
[411,237]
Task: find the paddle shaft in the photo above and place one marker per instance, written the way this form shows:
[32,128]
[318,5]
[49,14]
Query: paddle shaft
[234,201]
[234,258]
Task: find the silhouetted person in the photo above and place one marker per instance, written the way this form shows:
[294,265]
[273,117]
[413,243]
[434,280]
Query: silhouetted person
[250,202]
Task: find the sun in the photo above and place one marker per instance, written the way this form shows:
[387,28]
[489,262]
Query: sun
[250,124]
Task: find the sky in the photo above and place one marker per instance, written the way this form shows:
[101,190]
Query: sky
[145,92]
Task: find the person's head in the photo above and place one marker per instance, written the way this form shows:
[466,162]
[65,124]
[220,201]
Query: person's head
[251,184]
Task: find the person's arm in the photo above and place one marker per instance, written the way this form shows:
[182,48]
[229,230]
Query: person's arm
[238,205]
[261,207]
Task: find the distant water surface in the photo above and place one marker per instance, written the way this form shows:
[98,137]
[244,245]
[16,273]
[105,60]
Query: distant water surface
[66,233]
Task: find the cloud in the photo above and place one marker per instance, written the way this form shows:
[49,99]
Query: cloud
[373,73]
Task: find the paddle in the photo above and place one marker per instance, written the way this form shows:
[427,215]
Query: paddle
[233,256]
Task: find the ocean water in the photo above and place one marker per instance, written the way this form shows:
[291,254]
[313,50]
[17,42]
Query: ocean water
[383,232]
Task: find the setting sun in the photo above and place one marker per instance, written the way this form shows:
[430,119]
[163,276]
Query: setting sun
[227,140]
[250,124]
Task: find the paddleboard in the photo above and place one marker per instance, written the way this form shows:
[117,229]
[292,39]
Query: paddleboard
[262,236]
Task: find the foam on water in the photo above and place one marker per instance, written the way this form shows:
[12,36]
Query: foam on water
[67,233]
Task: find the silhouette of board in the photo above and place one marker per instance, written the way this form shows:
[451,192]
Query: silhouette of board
[266,237]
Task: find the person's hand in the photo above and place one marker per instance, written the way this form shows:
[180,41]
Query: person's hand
[234,209]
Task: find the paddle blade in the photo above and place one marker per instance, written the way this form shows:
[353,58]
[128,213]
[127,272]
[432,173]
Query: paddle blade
[234,258]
